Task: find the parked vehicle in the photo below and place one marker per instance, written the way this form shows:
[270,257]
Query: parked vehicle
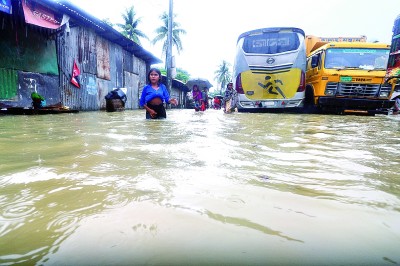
[348,77]
[269,69]
[393,67]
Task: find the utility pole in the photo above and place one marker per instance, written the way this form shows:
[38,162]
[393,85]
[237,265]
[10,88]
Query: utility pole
[169,47]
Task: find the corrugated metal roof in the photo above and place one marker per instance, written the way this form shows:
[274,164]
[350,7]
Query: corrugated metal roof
[101,28]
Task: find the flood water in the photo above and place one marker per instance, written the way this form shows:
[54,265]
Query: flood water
[98,188]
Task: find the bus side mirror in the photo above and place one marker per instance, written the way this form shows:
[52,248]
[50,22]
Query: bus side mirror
[314,61]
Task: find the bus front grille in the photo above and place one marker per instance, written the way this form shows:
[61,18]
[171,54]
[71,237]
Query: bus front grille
[269,69]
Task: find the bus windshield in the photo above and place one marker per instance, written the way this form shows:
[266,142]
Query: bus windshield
[271,43]
[358,58]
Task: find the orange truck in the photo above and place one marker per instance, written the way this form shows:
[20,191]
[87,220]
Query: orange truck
[346,75]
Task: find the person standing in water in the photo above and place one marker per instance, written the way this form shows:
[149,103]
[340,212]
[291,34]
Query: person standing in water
[205,99]
[154,95]
[230,98]
[197,97]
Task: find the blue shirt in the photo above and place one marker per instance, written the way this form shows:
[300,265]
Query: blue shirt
[149,94]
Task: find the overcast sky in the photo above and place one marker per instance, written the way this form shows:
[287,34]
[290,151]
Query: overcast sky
[213,26]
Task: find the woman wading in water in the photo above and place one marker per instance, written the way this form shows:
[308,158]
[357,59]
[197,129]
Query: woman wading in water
[154,95]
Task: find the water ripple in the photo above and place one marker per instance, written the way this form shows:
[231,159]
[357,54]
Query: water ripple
[14,213]
[64,222]
[256,180]
[23,259]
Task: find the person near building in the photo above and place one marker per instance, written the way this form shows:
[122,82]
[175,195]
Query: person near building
[38,100]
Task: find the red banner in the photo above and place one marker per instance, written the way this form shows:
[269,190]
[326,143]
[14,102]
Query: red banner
[39,15]
[75,75]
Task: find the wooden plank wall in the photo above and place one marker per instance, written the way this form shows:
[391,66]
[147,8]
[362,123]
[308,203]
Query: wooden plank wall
[104,66]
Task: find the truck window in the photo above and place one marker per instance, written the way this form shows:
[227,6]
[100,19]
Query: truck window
[340,58]
[315,60]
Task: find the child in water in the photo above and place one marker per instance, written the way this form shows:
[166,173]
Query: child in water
[154,95]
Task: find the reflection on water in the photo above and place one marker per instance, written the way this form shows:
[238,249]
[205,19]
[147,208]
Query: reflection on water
[101,188]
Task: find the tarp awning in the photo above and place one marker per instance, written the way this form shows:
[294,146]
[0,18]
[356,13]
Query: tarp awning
[39,15]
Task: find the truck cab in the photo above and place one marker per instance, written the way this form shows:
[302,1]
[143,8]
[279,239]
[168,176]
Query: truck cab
[348,77]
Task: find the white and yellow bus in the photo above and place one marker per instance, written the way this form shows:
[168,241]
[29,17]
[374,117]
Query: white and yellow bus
[269,69]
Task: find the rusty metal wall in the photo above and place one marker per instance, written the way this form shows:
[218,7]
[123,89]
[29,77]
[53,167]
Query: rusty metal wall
[132,85]
[103,58]
[87,52]
[80,45]
[128,61]
[177,94]
[140,68]
[104,66]
[67,52]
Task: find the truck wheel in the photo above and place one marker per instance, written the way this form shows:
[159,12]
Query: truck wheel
[309,106]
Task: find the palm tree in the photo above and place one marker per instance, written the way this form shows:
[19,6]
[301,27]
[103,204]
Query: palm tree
[130,28]
[162,34]
[223,74]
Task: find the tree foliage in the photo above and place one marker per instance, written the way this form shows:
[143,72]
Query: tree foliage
[181,75]
[223,74]
[130,27]
[162,34]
